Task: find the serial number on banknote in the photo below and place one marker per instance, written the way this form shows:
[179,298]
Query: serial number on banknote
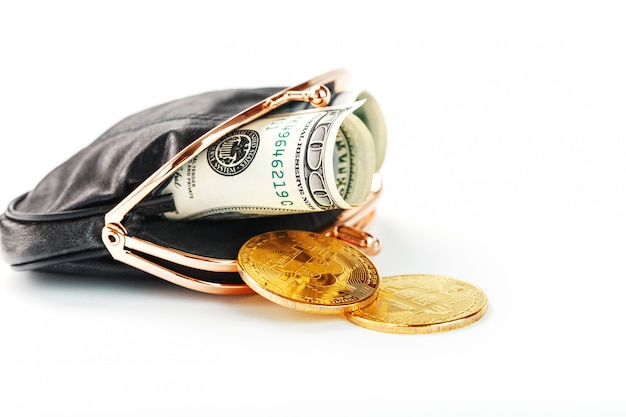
[284,127]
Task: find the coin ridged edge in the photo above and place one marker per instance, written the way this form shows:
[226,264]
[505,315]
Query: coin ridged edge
[300,305]
[417,329]
[425,328]
[304,306]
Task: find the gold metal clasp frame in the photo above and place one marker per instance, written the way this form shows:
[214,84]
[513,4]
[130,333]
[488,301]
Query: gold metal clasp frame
[129,249]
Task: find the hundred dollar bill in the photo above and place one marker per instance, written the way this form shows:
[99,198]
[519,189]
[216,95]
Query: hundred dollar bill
[306,161]
[371,114]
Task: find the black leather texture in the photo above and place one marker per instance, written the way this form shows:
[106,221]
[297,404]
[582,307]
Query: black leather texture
[57,225]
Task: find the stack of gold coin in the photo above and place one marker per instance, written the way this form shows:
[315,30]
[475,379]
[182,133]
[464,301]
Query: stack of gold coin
[315,273]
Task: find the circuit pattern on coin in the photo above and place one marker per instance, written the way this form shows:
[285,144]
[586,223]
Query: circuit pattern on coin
[308,271]
[422,304]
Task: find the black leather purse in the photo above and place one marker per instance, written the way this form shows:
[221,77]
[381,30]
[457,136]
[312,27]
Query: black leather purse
[98,213]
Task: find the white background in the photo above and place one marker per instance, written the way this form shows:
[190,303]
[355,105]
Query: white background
[505,169]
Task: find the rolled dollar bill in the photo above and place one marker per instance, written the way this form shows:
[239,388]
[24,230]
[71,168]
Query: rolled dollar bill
[371,114]
[298,162]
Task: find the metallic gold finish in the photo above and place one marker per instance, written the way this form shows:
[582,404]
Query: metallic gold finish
[130,249]
[356,237]
[350,223]
[318,95]
[308,271]
[422,304]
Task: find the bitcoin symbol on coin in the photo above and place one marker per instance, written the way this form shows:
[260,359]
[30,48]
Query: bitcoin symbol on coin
[308,271]
[422,304]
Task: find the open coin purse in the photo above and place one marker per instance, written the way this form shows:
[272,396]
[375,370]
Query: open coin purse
[99,214]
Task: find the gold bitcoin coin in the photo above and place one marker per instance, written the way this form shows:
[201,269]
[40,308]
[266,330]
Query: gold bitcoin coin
[421,304]
[308,271]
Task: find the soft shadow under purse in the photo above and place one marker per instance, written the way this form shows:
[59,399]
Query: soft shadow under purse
[99,213]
